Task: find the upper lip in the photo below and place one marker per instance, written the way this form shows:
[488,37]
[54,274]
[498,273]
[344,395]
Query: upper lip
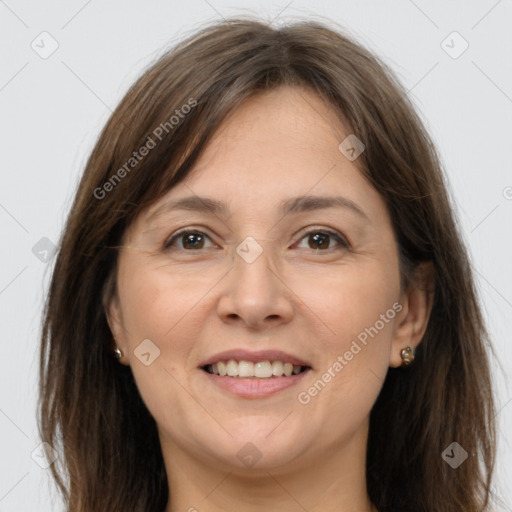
[261,355]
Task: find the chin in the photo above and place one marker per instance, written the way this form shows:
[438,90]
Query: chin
[254,446]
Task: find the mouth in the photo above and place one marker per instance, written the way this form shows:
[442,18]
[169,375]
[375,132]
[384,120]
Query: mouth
[254,375]
[263,370]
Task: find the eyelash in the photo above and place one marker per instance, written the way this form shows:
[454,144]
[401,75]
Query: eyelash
[334,234]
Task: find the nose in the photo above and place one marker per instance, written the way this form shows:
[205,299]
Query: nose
[254,293]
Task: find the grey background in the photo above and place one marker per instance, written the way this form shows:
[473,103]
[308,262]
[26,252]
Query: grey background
[52,110]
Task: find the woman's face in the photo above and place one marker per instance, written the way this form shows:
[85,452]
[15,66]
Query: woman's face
[263,273]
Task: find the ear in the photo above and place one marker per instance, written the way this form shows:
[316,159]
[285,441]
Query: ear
[412,321]
[113,313]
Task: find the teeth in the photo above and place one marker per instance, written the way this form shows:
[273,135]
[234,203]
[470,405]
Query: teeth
[277,368]
[221,367]
[232,368]
[263,370]
[260,370]
[246,369]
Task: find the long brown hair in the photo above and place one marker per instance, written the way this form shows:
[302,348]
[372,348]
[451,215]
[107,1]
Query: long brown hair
[89,406]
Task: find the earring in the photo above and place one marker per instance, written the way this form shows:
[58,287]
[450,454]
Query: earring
[407,355]
[118,353]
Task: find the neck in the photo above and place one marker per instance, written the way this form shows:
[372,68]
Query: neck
[334,482]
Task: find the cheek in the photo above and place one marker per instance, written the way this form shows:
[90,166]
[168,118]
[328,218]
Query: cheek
[163,308]
[358,323]
[167,306]
[156,302]
[352,298]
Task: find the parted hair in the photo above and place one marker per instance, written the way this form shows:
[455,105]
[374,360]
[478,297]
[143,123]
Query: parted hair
[89,406]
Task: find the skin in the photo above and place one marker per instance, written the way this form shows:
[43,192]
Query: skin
[193,303]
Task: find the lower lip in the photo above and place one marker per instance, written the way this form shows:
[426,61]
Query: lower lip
[253,387]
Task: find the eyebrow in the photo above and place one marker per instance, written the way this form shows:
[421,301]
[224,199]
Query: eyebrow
[289,206]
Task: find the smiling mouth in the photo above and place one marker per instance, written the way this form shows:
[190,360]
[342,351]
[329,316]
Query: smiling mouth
[255,370]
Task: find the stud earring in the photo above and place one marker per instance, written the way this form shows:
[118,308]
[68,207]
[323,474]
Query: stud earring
[407,355]
[118,353]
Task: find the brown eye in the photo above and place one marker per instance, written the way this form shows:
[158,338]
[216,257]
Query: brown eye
[191,240]
[320,240]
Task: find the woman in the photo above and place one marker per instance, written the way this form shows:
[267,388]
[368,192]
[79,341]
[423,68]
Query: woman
[261,299]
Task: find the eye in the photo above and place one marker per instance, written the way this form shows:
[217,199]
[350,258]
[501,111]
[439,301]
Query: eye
[191,239]
[320,239]
[194,240]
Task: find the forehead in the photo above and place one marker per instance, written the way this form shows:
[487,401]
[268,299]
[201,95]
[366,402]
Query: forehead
[279,145]
[284,125]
